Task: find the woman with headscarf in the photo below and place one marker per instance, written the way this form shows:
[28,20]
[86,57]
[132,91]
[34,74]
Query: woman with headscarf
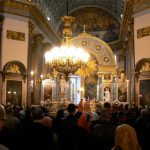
[126,138]
[83,133]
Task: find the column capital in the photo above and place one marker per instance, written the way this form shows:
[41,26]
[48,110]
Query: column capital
[47,46]
[38,38]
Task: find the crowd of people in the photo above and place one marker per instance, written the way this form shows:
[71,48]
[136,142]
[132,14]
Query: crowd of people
[115,127]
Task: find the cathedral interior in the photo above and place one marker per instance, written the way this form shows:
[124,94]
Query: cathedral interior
[74,74]
[115,33]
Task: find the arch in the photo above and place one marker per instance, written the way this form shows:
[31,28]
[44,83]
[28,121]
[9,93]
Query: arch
[14,67]
[95,47]
[141,63]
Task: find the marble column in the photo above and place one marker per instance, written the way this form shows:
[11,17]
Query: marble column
[1,69]
[100,88]
[114,88]
[56,88]
[128,92]
[131,62]
[37,63]
[69,89]
[82,87]
[29,65]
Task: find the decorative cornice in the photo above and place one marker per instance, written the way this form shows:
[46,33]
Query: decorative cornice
[116,45]
[41,21]
[33,13]
[38,37]
[126,17]
[141,5]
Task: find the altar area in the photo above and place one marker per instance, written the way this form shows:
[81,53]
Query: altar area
[106,83]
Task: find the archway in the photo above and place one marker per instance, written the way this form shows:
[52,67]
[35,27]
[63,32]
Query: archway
[14,78]
[142,71]
[106,67]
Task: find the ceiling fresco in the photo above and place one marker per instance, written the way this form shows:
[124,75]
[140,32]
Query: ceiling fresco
[54,9]
[97,22]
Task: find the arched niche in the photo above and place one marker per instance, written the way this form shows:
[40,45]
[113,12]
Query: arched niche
[14,83]
[142,71]
[143,66]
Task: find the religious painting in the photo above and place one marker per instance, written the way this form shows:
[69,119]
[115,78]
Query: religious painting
[14,92]
[144,92]
[107,77]
[122,92]
[107,94]
[91,87]
[47,92]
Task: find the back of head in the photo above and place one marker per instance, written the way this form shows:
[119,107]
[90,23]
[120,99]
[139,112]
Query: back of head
[47,121]
[126,138]
[37,114]
[84,121]
[105,115]
[144,113]
[9,109]
[2,113]
[106,105]
[71,108]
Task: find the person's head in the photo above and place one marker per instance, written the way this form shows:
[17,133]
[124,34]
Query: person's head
[78,114]
[2,113]
[2,116]
[105,115]
[47,121]
[144,113]
[9,109]
[126,138]
[84,121]
[71,108]
[37,114]
[60,113]
[106,105]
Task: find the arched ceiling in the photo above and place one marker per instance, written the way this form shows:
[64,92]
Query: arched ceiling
[97,22]
[54,9]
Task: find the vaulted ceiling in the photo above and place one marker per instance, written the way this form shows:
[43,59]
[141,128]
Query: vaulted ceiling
[54,9]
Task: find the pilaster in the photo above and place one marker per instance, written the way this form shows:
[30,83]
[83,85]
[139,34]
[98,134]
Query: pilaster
[100,88]
[1,28]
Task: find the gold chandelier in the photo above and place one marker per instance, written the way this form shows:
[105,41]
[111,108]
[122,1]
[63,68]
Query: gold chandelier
[66,59]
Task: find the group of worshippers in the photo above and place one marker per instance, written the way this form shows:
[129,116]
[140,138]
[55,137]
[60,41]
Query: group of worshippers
[76,131]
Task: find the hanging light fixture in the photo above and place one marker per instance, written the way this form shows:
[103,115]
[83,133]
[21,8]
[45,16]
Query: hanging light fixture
[66,59]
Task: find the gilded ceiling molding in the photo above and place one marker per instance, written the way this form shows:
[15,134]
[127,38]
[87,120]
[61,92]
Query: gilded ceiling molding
[14,4]
[141,5]
[41,21]
[126,17]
